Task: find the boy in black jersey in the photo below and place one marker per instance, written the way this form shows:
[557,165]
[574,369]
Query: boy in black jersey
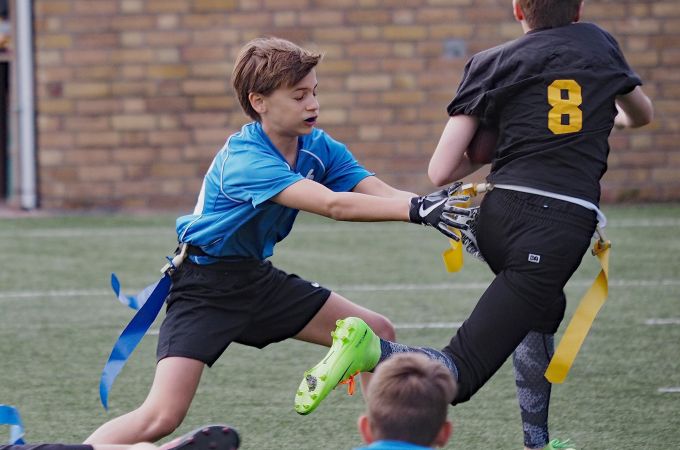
[554,96]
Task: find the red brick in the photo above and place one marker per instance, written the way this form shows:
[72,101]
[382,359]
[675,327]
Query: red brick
[98,173]
[223,6]
[53,7]
[220,103]
[130,83]
[167,104]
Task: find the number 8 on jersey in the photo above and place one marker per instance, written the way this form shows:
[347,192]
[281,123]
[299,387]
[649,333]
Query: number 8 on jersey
[565,115]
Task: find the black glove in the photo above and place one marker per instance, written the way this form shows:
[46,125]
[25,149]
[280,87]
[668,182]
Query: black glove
[428,210]
[465,220]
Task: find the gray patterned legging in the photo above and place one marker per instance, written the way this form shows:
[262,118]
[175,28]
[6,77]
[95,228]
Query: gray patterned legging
[530,360]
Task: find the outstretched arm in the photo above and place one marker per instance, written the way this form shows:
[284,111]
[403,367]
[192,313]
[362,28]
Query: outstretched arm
[449,161]
[635,109]
[310,196]
[375,186]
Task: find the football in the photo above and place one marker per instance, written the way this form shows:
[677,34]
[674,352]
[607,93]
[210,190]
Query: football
[482,147]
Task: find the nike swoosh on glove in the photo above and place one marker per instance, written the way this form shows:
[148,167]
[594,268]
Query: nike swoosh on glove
[428,209]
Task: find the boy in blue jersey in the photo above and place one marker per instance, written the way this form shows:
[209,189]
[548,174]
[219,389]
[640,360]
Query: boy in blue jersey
[407,405]
[554,96]
[226,291]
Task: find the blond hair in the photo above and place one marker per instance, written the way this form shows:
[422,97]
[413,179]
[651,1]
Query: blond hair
[266,64]
[408,399]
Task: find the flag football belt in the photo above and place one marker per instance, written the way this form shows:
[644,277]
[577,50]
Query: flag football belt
[148,304]
[590,303]
[9,415]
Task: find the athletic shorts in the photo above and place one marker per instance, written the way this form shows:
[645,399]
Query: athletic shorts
[245,300]
[533,244]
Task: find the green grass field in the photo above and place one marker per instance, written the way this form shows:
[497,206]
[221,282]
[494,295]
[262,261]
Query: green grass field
[58,321]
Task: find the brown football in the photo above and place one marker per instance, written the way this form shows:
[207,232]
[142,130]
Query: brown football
[482,147]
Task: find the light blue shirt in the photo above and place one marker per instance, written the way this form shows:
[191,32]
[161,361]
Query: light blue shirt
[234,215]
[393,445]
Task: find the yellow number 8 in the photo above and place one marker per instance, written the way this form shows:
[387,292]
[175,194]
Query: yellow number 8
[565,115]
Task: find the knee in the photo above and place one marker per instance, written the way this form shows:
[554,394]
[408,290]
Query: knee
[162,423]
[168,423]
[383,327]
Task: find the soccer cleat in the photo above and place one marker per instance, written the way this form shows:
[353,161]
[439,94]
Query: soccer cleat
[355,349]
[556,444]
[208,437]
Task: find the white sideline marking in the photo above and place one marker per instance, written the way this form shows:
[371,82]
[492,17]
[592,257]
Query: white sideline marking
[668,390]
[450,325]
[669,321]
[398,326]
[80,232]
[56,294]
[351,288]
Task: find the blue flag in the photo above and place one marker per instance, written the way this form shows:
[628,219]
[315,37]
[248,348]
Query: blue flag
[132,301]
[9,415]
[148,304]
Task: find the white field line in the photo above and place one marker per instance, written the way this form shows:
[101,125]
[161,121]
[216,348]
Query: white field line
[352,288]
[454,325]
[122,231]
[398,326]
[86,232]
[666,321]
[669,390]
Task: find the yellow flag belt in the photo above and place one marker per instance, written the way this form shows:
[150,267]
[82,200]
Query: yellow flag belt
[585,312]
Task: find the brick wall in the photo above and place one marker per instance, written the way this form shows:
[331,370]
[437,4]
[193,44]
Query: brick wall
[134,99]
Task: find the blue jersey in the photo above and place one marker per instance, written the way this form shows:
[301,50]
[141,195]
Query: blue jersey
[234,215]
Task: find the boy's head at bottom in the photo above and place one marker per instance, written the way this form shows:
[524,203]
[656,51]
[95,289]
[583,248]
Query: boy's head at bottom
[408,400]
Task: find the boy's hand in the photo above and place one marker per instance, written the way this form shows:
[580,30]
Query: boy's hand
[465,220]
[428,210]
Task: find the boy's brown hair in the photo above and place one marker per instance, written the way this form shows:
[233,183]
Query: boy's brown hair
[266,64]
[408,399]
[549,13]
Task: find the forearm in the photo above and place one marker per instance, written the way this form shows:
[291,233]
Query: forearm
[449,162]
[310,196]
[635,109]
[464,168]
[358,207]
[375,186]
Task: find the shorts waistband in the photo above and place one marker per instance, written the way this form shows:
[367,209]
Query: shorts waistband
[601,218]
[221,262]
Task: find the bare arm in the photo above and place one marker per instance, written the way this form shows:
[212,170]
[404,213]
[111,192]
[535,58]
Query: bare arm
[310,196]
[635,109]
[375,186]
[449,162]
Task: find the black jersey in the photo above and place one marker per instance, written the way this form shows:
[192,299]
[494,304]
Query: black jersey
[551,95]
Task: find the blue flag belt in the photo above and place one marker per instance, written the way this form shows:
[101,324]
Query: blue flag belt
[9,415]
[148,304]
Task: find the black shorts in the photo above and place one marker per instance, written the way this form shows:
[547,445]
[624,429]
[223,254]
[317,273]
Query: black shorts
[246,301]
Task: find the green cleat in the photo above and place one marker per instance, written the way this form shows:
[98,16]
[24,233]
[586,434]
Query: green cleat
[556,444]
[355,349]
